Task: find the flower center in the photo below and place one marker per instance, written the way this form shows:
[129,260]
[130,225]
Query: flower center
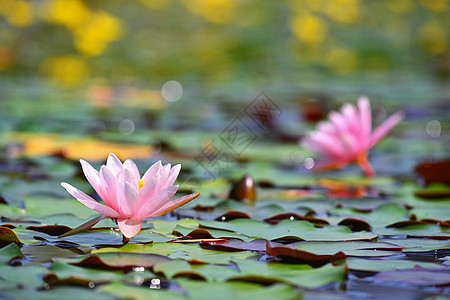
[141,183]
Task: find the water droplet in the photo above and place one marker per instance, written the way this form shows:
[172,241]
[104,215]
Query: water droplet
[155,283]
[308,163]
[126,127]
[434,128]
[172,91]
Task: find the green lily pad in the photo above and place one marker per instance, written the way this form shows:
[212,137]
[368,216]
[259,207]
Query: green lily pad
[236,290]
[46,253]
[383,215]
[190,252]
[412,245]
[181,268]
[56,293]
[66,273]
[352,248]
[29,276]
[382,265]
[297,275]
[123,291]
[300,230]
[8,252]
[121,260]
[421,230]
[42,207]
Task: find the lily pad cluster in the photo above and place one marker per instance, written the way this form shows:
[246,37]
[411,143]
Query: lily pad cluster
[285,242]
[279,232]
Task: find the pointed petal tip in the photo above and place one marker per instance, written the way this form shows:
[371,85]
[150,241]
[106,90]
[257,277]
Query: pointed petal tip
[363,98]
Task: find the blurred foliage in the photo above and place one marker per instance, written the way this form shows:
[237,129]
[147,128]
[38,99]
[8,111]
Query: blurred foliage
[69,41]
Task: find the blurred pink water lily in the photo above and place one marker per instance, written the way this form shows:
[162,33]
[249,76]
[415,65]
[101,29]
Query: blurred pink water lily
[347,136]
[129,198]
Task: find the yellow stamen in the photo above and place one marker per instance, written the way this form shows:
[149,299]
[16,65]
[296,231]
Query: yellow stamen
[141,183]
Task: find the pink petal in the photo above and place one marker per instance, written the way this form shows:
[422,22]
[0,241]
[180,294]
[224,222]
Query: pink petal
[132,169]
[89,202]
[365,114]
[169,206]
[353,120]
[128,199]
[154,169]
[130,178]
[330,144]
[326,127]
[129,228]
[386,126]
[91,174]
[109,182]
[339,122]
[164,172]
[150,188]
[173,174]
[152,205]
[114,164]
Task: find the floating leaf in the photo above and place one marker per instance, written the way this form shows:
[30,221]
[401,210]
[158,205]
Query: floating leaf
[382,264]
[7,236]
[189,252]
[85,226]
[434,171]
[415,276]
[8,252]
[46,253]
[116,260]
[139,292]
[53,230]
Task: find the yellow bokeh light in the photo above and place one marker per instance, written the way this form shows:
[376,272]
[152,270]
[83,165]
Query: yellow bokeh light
[65,70]
[432,37]
[94,36]
[341,60]
[399,6]
[215,11]
[69,13]
[92,30]
[435,5]
[18,13]
[309,29]
[155,4]
[343,11]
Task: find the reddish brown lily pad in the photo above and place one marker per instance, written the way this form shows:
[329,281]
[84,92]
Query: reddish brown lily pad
[7,236]
[355,224]
[290,254]
[231,215]
[53,230]
[434,171]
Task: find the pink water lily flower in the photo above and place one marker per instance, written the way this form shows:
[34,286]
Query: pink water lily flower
[347,136]
[129,198]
